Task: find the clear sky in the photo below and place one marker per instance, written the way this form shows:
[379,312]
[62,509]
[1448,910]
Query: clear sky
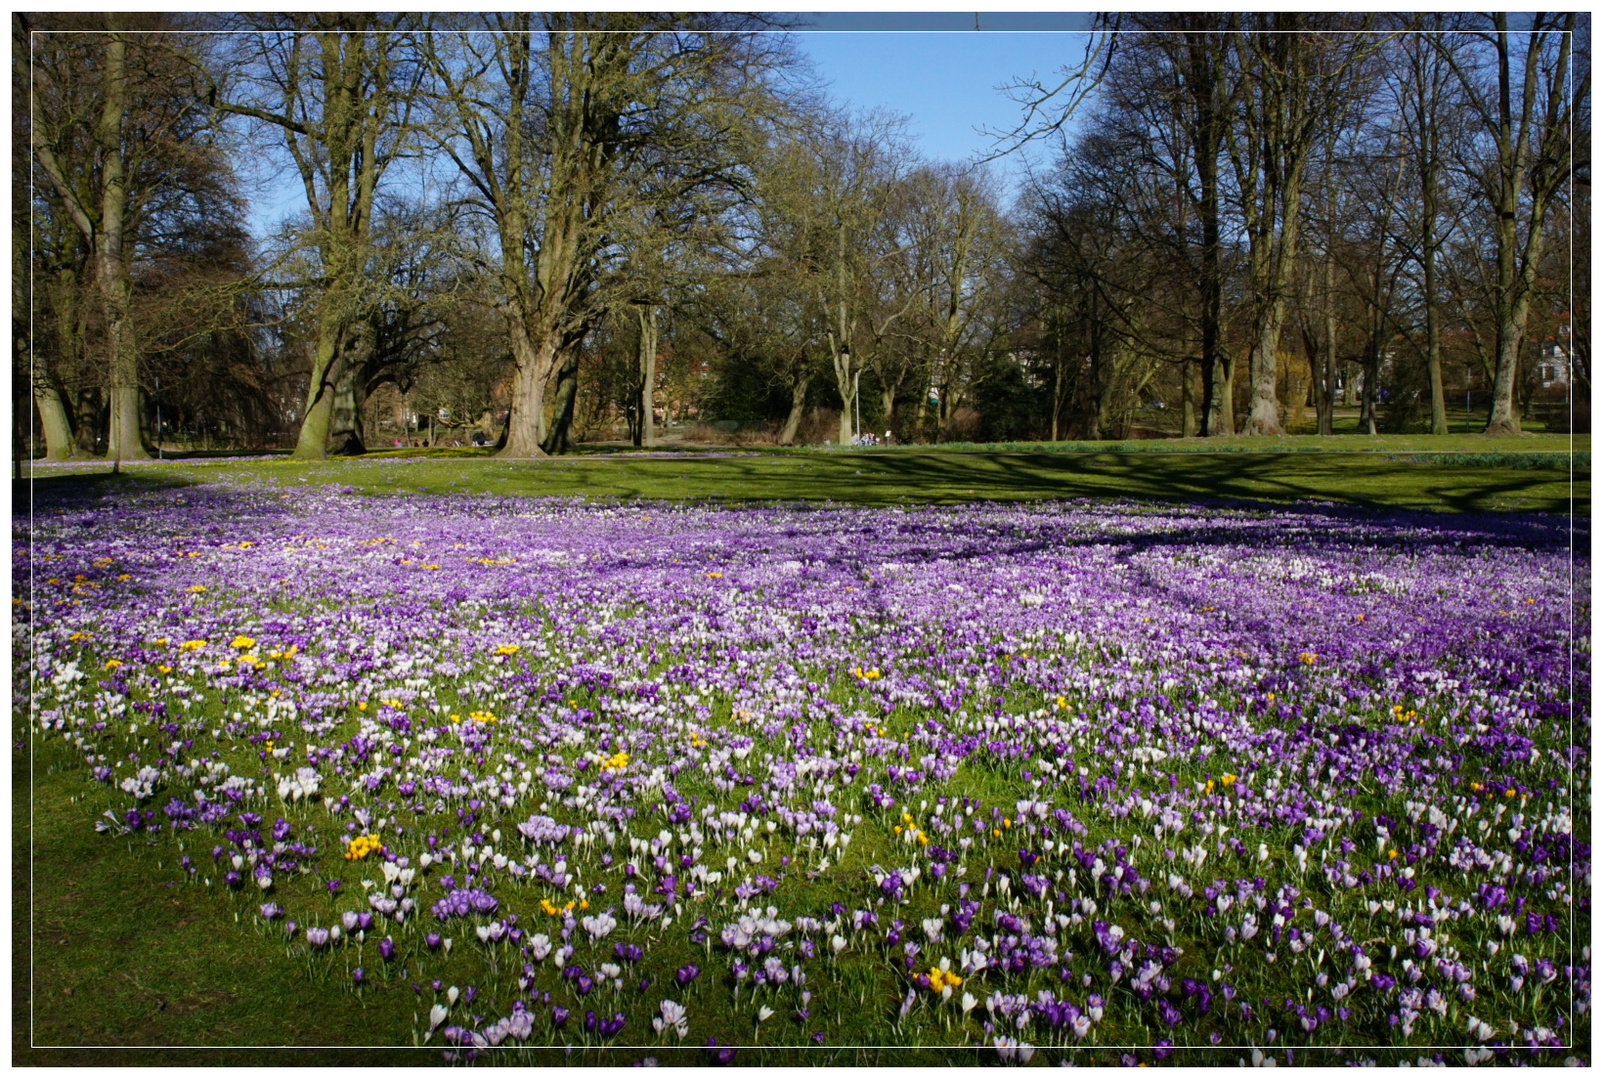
[938,71]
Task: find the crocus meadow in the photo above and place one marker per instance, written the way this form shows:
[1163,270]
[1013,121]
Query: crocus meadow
[1064,781]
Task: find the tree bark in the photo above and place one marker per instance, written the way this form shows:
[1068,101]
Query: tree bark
[533,364]
[312,443]
[345,412]
[1204,79]
[123,441]
[1220,390]
[562,420]
[793,420]
[59,444]
[647,314]
[1188,406]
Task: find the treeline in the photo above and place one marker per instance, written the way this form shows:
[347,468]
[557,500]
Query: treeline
[542,228]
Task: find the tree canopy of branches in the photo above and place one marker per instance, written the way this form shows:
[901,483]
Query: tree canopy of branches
[545,226]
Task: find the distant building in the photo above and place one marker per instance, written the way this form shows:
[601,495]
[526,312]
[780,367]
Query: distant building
[1553,360]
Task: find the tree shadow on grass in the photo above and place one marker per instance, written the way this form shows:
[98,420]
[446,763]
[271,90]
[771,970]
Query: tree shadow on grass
[73,489]
[888,479]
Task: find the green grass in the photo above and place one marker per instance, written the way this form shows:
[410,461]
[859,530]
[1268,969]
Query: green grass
[1469,473]
[127,955]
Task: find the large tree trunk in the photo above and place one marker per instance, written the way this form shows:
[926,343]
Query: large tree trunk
[1504,418]
[123,441]
[1264,414]
[846,385]
[345,411]
[313,441]
[1428,256]
[1204,85]
[562,420]
[1220,417]
[526,417]
[793,420]
[53,417]
[89,420]
[1264,410]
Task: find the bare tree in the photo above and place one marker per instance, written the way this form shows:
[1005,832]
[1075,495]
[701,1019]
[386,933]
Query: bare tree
[1425,100]
[1296,83]
[133,196]
[556,123]
[1523,102]
[339,89]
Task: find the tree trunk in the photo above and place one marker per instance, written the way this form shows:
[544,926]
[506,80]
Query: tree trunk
[1439,405]
[1221,416]
[1264,410]
[1188,405]
[1058,380]
[313,441]
[648,371]
[526,417]
[562,420]
[53,418]
[1204,83]
[1328,397]
[1367,392]
[1504,418]
[123,441]
[345,412]
[1428,257]
[89,421]
[847,387]
[793,420]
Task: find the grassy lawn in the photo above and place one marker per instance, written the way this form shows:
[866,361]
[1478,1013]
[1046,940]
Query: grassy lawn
[1456,473]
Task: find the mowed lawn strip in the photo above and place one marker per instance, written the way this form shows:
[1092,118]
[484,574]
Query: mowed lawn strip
[1453,481]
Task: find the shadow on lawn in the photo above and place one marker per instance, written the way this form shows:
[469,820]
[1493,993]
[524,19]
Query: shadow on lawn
[72,489]
[888,479]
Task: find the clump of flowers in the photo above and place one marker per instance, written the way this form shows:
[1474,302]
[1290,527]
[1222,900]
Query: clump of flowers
[361,846]
[938,980]
[616,761]
[463,902]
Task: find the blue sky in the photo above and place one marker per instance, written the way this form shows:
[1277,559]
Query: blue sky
[938,71]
